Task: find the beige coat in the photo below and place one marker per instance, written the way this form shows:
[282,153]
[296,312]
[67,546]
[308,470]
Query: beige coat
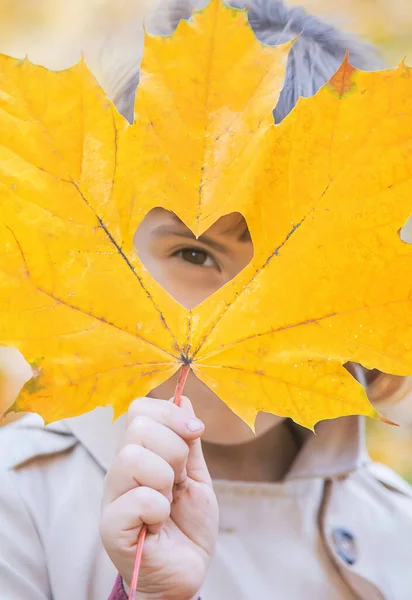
[338,527]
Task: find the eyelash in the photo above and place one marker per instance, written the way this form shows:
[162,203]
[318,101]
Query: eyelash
[196,250]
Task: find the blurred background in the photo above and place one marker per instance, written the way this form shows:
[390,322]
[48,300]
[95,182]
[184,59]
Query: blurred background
[55,33]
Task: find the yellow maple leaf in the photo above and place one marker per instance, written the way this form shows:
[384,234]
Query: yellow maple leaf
[324,194]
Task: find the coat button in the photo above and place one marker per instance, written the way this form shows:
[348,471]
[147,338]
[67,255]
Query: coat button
[345,545]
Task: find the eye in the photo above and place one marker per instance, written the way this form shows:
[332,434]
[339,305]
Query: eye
[196,256]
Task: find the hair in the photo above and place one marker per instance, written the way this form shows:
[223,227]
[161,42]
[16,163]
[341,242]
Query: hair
[315,56]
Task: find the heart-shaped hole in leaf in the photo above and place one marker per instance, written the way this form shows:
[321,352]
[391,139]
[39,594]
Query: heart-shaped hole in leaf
[191,269]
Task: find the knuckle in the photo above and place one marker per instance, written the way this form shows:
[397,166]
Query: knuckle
[146,499]
[139,424]
[135,408]
[129,454]
[185,401]
[151,504]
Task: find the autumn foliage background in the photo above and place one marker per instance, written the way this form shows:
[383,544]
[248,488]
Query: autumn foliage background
[109,33]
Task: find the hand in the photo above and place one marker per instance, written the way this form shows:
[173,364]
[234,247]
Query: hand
[159,477]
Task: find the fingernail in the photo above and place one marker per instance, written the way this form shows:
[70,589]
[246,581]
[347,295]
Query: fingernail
[170,497]
[194,425]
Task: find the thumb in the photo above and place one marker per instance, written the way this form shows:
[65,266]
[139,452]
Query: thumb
[196,465]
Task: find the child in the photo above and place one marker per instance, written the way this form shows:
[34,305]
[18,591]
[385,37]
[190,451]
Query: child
[300,516]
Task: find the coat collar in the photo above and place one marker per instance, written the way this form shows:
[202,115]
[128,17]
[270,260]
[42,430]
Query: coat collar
[97,432]
[337,447]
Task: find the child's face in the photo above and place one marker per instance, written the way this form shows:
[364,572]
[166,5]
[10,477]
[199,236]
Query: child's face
[191,270]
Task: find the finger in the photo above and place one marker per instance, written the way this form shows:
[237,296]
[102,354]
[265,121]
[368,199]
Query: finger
[196,465]
[181,420]
[136,466]
[161,440]
[130,511]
